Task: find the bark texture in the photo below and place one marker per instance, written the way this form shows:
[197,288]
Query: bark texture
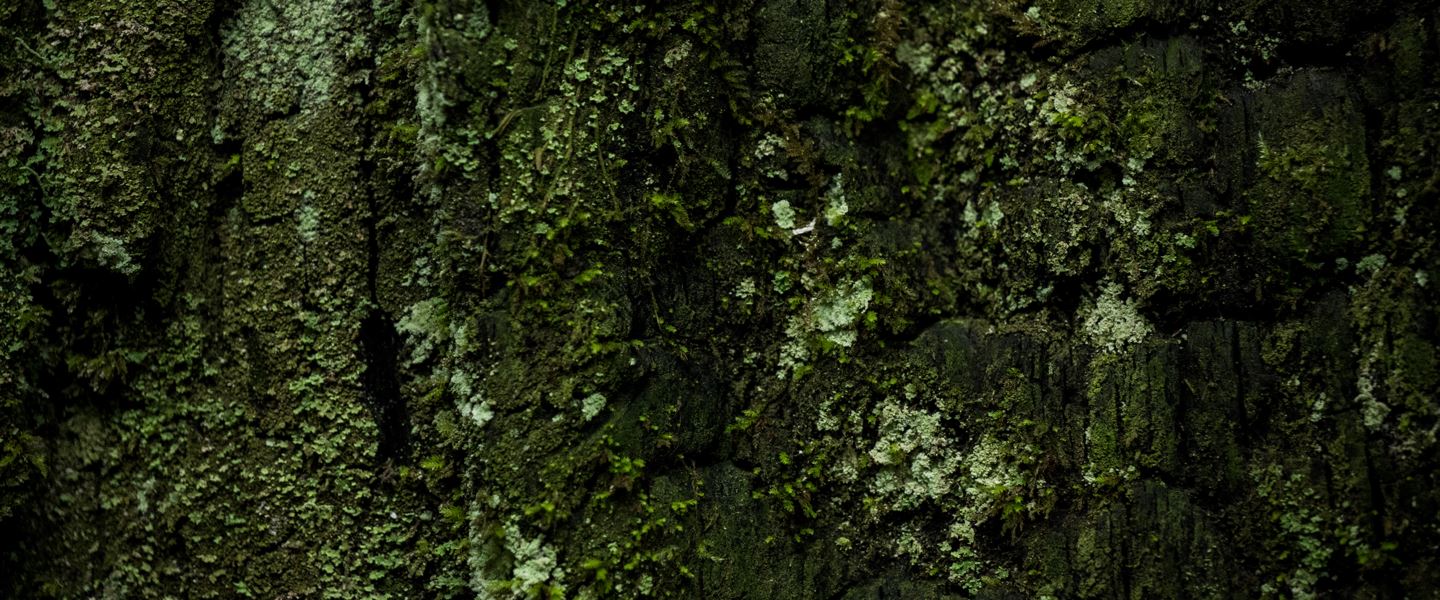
[752,299]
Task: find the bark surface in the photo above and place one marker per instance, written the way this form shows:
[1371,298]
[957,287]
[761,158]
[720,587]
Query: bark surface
[753,299]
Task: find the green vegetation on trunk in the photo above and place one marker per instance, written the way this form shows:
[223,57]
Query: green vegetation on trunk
[752,299]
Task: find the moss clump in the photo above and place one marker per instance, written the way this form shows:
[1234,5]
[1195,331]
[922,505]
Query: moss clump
[1313,173]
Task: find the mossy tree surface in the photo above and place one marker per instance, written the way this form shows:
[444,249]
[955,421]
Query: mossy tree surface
[755,299]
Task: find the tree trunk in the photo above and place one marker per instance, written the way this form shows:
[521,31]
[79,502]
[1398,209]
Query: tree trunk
[751,299]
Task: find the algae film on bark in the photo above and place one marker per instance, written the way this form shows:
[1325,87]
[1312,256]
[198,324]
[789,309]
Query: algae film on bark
[751,299]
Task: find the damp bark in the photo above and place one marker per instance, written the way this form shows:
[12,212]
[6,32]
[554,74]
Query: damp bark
[774,299]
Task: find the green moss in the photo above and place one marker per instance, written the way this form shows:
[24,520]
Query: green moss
[1310,194]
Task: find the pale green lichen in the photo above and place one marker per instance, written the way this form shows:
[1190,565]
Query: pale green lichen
[1370,264]
[745,289]
[307,224]
[784,214]
[287,53]
[426,328]
[921,459]
[916,461]
[591,406]
[1302,528]
[431,103]
[1111,323]
[795,350]
[517,566]
[470,402]
[835,207]
[110,251]
[1373,411]
[837,314]
[535,562]
[832,319]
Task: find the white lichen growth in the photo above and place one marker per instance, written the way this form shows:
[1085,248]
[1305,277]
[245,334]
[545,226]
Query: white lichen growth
[426,327]
[1111,323]
[535,562]
[833,318]
[795,351]
[784,214]
[431,102]
[746,289]
[1131,216]
[287,53]
[918,462]
[307,224]
[835,206]
[532,566]
[469,402]
[110,252]
[770,150]
[838,312]
[1372,410]
[1317,408]
[591,406]
[1370,264]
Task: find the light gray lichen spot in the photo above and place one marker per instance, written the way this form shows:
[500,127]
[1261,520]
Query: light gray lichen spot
[838,312]
[1112,323]
[591,406]
[784,214]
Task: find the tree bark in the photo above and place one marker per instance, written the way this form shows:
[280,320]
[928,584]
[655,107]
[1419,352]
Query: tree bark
[753,299]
